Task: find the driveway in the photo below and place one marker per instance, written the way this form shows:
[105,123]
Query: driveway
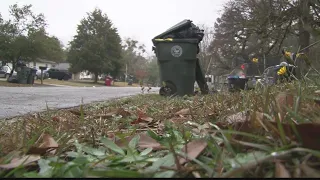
[16,101]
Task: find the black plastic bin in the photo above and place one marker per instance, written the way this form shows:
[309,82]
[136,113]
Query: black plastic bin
[237,84]
[33,73]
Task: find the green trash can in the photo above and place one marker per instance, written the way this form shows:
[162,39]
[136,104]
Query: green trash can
[23,73]
[176,51]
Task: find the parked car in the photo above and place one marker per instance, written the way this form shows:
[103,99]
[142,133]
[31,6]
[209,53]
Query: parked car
[270,76]
[5,71]
[59,74]
[45,74]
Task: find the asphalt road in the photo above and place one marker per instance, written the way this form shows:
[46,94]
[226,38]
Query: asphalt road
[16,101]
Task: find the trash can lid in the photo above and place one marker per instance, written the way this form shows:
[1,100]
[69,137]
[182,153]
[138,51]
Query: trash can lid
[181,25]
[195,41]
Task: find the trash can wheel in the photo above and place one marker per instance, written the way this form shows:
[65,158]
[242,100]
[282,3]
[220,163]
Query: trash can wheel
[168,90]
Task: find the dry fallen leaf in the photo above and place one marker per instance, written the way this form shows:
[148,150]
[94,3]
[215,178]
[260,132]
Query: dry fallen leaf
[137,121]
[309,172]
[148,142]
[56,119]
[142,118]
[297,173]
[146,118]
[309,133]
[238,117]
[49,145]
[24,161]
[178,120]
[284,100]
[76,112]
[107,115]
[183,112]
[193,149]
[281,171]
[124,113]
[144,142]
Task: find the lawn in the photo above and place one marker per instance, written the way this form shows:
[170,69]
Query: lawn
[7,84]
[4,83]
[81,83]
[268,132]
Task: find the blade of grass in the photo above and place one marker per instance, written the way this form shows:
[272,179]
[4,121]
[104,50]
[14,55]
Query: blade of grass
[263,139]
[279,125]
[253,145]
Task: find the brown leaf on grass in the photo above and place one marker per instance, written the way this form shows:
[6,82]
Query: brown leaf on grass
[193,150]
[144,142]
[107,115]
[137,121]
[124,113]
[237,117]
[183,112]
[178,120]
[309,172]
[76,112]
[24,161]
[148,142]
[146,118]
[284,100]
[142,118]
[49,145]
[281,171]
[56,119]
[297,173]
[309,133]
[239,122]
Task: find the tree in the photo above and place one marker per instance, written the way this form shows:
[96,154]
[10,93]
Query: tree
[205,55]
[133,56]
[96,47]
[23,37]
[249,28]
[153,71]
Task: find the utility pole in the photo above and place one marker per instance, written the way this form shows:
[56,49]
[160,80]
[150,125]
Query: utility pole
[126,73]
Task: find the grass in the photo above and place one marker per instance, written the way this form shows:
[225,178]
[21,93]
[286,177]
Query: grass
[152,136]
[80,83]
[7,84]
[4,83]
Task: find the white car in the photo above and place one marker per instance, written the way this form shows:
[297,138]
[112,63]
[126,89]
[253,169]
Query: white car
[5,71]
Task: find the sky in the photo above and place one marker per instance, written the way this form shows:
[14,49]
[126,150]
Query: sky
[141,20]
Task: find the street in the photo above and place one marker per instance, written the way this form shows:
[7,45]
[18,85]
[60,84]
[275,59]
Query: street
[16,101]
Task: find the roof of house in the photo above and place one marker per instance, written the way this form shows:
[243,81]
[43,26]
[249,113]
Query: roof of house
[62,66]
[45,61]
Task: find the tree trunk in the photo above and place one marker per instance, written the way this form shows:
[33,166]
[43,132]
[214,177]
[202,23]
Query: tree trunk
[304,35]
[96,77]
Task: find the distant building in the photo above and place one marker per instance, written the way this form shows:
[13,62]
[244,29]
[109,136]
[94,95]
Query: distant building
[62,66]
[41,62]
[84,75]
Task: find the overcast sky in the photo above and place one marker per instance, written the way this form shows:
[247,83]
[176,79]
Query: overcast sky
[138,19]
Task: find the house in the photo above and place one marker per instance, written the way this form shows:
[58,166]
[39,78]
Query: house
[61,66]
[37,64]
[41,62]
